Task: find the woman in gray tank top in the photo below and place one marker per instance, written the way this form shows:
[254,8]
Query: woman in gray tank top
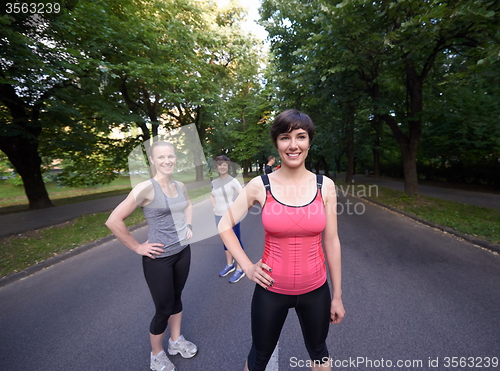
[166,255]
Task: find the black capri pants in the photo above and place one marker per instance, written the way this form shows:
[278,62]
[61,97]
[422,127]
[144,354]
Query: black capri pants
[269,312]
[166,278]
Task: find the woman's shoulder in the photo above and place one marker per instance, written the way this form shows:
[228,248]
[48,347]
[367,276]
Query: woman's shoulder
[255,190]
[256,181]
[143,192]
[145,185]
[255,184]
[328,187]
[180,185]
[235,182]
[328,181]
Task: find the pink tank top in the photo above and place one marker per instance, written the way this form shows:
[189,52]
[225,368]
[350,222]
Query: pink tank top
[293,243]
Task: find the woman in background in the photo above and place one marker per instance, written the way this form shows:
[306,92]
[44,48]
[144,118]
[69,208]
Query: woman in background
[224,190]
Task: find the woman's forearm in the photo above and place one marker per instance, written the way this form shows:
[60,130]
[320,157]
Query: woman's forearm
[334,260]
[121,232]
[233,245]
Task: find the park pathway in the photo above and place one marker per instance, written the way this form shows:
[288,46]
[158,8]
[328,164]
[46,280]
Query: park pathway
[34,219]
[483,199]
[414,297]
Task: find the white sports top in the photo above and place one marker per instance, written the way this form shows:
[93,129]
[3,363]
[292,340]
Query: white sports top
[224,192]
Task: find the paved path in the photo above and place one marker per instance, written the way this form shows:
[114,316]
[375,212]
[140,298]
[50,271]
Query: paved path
[36,219]
[30,220]
[413,296]
[482,199]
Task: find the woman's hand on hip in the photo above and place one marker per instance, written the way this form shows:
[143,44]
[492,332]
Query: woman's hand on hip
[149,249]
[258,274]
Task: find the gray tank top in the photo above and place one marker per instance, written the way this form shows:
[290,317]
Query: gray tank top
[166,220]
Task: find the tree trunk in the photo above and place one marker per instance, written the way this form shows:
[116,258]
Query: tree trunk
[196,150]
[376,161]
[410,169]
[376,146]
[409,143]
[349,120]
[246,165]
[24,156]
[321,163]
[19,141]
[337,165]
[409,148]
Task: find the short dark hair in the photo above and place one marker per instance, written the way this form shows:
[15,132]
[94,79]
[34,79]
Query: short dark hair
[289,120]
[222,158]
[271,158]
[219,160]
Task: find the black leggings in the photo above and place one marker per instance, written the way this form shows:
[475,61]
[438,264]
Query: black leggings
[269,311]
[166,278]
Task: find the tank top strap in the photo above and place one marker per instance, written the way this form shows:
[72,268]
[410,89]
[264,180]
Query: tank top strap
[265,180]
[177,186]
[319,180]
[156,187]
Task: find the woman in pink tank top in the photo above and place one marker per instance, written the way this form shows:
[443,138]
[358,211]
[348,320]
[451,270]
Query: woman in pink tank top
[300,228]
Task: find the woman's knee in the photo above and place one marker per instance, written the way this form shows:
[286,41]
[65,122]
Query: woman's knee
[318,353]
[258,358]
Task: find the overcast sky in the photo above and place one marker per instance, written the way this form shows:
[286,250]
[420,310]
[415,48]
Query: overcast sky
[253,14]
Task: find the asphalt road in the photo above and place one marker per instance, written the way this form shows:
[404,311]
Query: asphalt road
[488,200]
[412,294]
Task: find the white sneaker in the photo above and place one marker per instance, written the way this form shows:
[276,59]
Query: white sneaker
[160,362]
[182,346]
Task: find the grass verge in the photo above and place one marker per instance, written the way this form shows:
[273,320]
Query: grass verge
[15,194]
[18,208]
[27,249]
[480,222]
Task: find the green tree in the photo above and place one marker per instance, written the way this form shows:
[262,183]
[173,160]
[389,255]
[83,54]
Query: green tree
[32,70]
[392,46]
[239,117]
[103,67]
[461,142]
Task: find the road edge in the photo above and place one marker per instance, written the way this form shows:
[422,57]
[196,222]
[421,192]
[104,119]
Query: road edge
[474,240]
[4,281]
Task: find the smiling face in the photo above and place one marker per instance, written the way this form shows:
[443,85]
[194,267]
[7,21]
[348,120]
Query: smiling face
[222,168]
[293,147]
[290,120]
[163,159]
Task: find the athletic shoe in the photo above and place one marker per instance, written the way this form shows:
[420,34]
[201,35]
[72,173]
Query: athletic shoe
[160,362]
[238,275]
[228,269]
[182,346]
